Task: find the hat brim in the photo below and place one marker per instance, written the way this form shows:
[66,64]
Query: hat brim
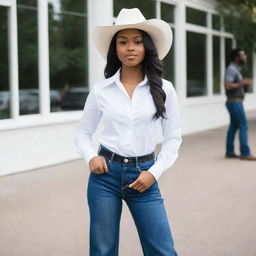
[158,30]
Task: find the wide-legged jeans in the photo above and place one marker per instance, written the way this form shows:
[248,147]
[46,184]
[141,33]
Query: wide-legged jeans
[238,121]
[105,194]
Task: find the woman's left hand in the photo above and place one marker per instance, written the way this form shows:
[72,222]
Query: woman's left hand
[143,182]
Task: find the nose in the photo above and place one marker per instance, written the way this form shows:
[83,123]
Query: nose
[130,47]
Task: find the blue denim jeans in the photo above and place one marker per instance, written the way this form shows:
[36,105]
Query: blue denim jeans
[105,193]
[238,121]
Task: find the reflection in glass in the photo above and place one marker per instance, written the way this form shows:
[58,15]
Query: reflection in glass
[4,65]
[147,7]
[167,12]
[196,64]
[28,56]
[27,3]
[68,54]
[216,22]
[216,65]
[196,17]
[227,25]
[168,62]
[228,49]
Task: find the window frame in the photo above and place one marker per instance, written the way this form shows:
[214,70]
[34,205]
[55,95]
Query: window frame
[13,57]
[209,32]
[45,116]
[173,27]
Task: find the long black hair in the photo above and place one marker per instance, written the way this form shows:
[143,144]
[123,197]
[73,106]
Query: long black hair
[152,67]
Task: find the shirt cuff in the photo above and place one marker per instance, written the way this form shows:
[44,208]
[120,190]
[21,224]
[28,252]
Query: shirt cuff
[89,156]
[155,172]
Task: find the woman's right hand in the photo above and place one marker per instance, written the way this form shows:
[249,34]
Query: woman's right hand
[98,165]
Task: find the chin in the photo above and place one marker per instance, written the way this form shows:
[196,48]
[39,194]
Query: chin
[132,64]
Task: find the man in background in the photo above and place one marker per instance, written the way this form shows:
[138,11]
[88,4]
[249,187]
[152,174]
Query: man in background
[235,89]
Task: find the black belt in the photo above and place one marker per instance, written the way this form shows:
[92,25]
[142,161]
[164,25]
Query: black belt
[123,159]
[234,99]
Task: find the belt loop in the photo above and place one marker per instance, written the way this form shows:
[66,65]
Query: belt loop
[137,162]
[112,156]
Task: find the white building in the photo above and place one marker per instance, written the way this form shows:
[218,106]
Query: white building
[47,57]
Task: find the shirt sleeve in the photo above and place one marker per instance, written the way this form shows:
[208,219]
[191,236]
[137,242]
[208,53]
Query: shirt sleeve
[230,75]
[87,126]
[171,130]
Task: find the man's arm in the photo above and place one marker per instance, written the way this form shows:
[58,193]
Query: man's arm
[232,86]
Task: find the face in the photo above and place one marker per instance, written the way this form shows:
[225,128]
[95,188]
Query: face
[129,47]
[242,58]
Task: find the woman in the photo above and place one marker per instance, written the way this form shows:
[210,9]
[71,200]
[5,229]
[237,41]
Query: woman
[133,102]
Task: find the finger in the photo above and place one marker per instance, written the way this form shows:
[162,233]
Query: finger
[96,171]
[137,186]
[93,170]
[137,189]
[104,165]
[141,188]
[132,185]
[99,170]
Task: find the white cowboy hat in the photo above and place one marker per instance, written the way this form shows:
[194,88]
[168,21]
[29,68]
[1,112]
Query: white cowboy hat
[159,31]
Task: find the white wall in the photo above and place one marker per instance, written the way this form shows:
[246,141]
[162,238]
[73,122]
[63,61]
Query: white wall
[200,116]
[28,148]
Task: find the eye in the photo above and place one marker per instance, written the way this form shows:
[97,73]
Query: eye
[122,42]
[138,42]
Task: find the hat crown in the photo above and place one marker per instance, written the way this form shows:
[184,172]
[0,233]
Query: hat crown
[129,16]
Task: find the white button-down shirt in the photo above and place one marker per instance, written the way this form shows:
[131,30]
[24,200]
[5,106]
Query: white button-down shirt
[129,129]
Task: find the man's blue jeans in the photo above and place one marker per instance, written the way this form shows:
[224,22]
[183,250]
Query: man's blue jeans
[105,193]
[238,121]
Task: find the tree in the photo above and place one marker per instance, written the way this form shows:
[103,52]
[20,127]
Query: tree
[240,19]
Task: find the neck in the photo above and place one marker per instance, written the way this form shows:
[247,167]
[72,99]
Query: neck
[131,74]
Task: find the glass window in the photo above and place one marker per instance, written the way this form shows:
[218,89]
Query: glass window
[68,54]
[28,56]
[147,7]
[227,25]
[216,64]
[4,65]
[196,64]
[196,17]
[228,49]
[167,12]
[27,3]
[216,22]
[168,62]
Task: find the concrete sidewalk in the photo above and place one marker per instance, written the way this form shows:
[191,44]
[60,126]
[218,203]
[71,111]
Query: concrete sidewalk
[210,203]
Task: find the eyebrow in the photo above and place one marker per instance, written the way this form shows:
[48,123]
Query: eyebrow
[126,37]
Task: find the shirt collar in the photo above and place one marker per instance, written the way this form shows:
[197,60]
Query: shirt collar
[116,78]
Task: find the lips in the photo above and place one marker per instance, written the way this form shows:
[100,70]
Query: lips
[130,57]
